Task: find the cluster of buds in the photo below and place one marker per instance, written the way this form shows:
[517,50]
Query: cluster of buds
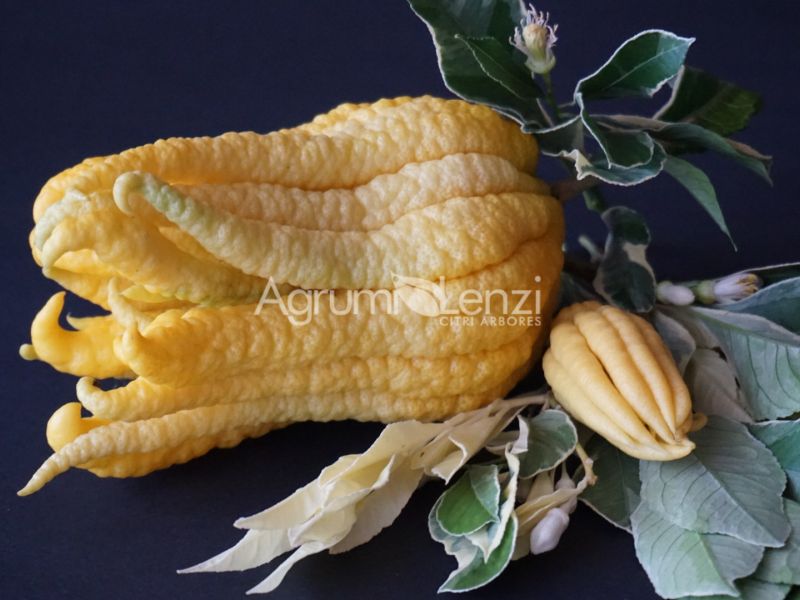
[710,291]
[535,38]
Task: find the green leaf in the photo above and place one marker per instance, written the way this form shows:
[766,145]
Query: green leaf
[686,137]
[731,484]
[479,572]
[681,138]
[639,67]
[454,545]
[680,342]
[482,554]
[700,187]
[780,303]
[782,565]
[698,97]
[680,562]
[775,273]
[561,139]
[593,199]
[496,61]
[472,502]
[488,538]
[624,277]
[783,440]
[766,358]
[551,438]
[751,589]
[622,147]
[615,495]
[617,175]
[713,386]
[685,316]
[461,71]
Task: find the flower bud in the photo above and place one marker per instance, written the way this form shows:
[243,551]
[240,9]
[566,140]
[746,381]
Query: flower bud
[678,295]
[736,287]
[535,39]
[612,372]
[727,289]
[547,532]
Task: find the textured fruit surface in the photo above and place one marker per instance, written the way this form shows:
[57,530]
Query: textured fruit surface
[385,215]
[610,370]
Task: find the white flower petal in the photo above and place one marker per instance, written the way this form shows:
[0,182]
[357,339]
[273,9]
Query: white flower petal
[256,548]
[328,527]
[298,507]
[547,533]
[276,577]
[380,508]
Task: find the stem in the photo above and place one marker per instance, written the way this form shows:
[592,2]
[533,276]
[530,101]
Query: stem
[587,463]
[551,98]
[595,253]
[546,115]
[588,186]
[569,188]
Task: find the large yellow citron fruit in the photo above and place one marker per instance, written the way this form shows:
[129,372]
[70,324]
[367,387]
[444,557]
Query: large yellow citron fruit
[427,209]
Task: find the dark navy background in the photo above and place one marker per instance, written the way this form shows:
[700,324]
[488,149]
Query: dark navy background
[94,77]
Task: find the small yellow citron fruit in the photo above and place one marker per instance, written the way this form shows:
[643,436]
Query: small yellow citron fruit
[611,371]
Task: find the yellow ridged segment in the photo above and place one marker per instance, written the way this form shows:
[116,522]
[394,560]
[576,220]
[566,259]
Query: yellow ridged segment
[234,338]
[139,253]
[414,131]
[380,202]
[85,352]
[140,441]
[489,229]
[605,342]
[66,426]
[458,374]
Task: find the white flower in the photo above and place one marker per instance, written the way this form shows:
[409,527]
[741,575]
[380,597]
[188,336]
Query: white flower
[670,293]
[736,287]
[547,532]
[535,38]
[727,289]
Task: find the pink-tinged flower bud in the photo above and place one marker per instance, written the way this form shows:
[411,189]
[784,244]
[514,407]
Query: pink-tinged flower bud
[727,289]
[736,287]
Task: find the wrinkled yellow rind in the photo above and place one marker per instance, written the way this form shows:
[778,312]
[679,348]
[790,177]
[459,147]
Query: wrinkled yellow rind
[371,206]
[88,351]
[235,338]
[445,376]
[343,154]
[139,447]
